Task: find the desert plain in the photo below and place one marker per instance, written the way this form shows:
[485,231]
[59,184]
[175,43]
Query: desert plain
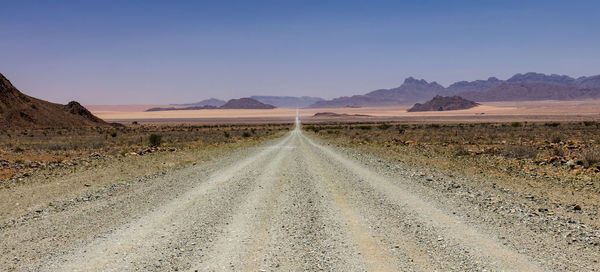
[487,111]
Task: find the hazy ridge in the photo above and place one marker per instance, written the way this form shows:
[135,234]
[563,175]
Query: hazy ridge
[520,87]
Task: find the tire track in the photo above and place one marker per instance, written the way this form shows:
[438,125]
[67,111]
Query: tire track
[488,250]
[307,234]
[137,244]
[232,249]
[376,254]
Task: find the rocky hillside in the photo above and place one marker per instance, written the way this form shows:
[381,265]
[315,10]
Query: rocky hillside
[444,103]
[18,110]
[520,87]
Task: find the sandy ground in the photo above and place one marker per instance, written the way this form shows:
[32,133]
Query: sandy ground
[291,204]
[543,110]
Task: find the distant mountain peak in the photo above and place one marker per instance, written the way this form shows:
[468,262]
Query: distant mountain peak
[412,80]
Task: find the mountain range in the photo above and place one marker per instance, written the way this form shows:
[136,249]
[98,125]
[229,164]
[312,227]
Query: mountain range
[520,87]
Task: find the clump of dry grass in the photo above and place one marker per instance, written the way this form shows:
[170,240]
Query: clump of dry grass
[520,151]
[590,156]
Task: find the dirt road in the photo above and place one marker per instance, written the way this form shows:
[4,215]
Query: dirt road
[292,204]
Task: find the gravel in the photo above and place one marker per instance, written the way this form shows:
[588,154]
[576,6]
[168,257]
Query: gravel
[297,204]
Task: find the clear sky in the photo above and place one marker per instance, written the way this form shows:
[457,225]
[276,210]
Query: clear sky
[157,52]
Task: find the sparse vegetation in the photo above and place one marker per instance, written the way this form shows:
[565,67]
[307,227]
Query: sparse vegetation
[590,123]
[460,151]
[555,138]
[521,151]
[570,153]
[155,139]
[590,156]
[57,145]
[384,126]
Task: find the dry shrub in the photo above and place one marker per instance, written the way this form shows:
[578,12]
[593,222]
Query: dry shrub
[521,151]
[460,151]
[557,151]
[155,139]
[384,126]
[590,156]
[556,138]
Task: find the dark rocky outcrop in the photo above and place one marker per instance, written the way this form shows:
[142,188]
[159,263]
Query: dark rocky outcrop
[444,103]
[246,103]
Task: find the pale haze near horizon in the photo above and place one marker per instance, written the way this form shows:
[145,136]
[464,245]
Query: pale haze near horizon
[152,52]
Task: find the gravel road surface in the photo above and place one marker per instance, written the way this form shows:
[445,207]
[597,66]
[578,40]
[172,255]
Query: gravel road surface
[290,204]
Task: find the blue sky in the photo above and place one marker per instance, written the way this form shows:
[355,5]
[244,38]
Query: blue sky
[156,52]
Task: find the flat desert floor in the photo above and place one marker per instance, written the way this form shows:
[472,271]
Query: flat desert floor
[487,111]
